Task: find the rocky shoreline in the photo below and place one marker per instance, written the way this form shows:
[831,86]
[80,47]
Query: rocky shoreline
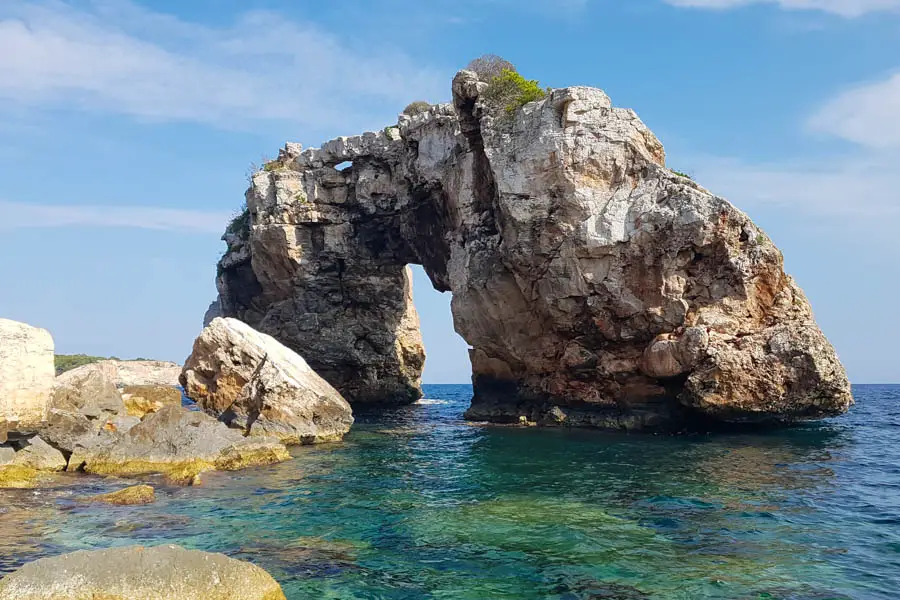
[596,288]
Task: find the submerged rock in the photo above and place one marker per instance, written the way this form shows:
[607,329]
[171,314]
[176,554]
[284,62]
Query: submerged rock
[253,382]
[177,443]
[139,573]
[27,374]
[136,494]
[595,286]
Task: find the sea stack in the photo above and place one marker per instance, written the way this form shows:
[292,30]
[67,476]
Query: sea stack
[595,286]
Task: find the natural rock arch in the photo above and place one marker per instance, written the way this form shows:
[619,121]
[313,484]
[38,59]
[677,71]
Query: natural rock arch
[595,286]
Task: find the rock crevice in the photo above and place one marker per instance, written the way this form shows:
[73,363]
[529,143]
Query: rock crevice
[594,286]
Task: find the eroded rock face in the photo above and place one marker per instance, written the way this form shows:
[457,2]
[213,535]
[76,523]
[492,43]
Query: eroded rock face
[595,286]
[253,382]
[27,374]
[139,573]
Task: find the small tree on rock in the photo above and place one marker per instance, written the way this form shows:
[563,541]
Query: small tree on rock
[489,66]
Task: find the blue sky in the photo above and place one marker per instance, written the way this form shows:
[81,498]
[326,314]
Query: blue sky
[128,129]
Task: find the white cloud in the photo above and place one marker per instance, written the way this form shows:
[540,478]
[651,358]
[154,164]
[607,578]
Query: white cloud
[853,195]
[118,57]
[20,215]
[868,115]
[844,8]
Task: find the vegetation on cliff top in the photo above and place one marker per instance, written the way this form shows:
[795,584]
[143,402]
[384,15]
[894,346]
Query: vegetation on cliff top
[507,88]
[416,108]
[240,223]
[67,362]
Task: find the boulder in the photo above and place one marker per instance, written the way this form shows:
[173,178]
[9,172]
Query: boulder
[7,455]
[253,382]
[27,374]
[139,573]
[142,399]
[595,286]
[88,392]
[39,455]
[177,443]
[136,494]
[123,373]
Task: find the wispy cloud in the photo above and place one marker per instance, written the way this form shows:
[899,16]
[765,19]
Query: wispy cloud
[117,57]
[19,215]
[844,8]
[867,114]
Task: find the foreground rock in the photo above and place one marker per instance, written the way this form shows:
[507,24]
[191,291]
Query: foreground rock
[124,373]
[26,374]
[138,573]
[253,382]
[134,495]
[177,443]
[595,286]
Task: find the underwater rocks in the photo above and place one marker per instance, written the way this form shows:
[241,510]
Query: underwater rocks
[254,383]
[130,496]
[178,444]
[27,374]
[139,573]
[595,286]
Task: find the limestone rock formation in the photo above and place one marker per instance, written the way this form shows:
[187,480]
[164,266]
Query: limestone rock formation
[124,373]
[253,382]
[139,573]
[595,286]
[37,454]
[26,374]
[142,399]
[177,443]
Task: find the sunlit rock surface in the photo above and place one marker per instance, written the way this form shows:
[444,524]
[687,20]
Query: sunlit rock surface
[595,286]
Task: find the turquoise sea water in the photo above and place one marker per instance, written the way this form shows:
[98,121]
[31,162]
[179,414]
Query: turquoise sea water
[417,504]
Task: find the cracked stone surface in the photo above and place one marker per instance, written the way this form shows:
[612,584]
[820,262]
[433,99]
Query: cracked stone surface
[595,286]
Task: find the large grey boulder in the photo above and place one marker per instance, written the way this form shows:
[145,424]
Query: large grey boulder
[595,286]
[253,382]
[89,392]
[177,443]
[27,374]
[37,454]
[140,573]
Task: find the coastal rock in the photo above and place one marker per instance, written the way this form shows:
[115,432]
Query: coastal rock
[177,443]
[124,373]
[39,455]
[133,495]
[594,286]
[27,374]
[253,382]
[88,392]
[142,399]
[139,573]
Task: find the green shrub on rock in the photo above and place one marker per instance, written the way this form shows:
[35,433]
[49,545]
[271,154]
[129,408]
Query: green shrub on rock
[510,91]
[416,108]
[240,224]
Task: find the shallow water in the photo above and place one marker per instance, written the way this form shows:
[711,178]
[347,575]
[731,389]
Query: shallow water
[419,504]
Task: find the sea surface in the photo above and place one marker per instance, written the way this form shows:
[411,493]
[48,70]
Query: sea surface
[419,504]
